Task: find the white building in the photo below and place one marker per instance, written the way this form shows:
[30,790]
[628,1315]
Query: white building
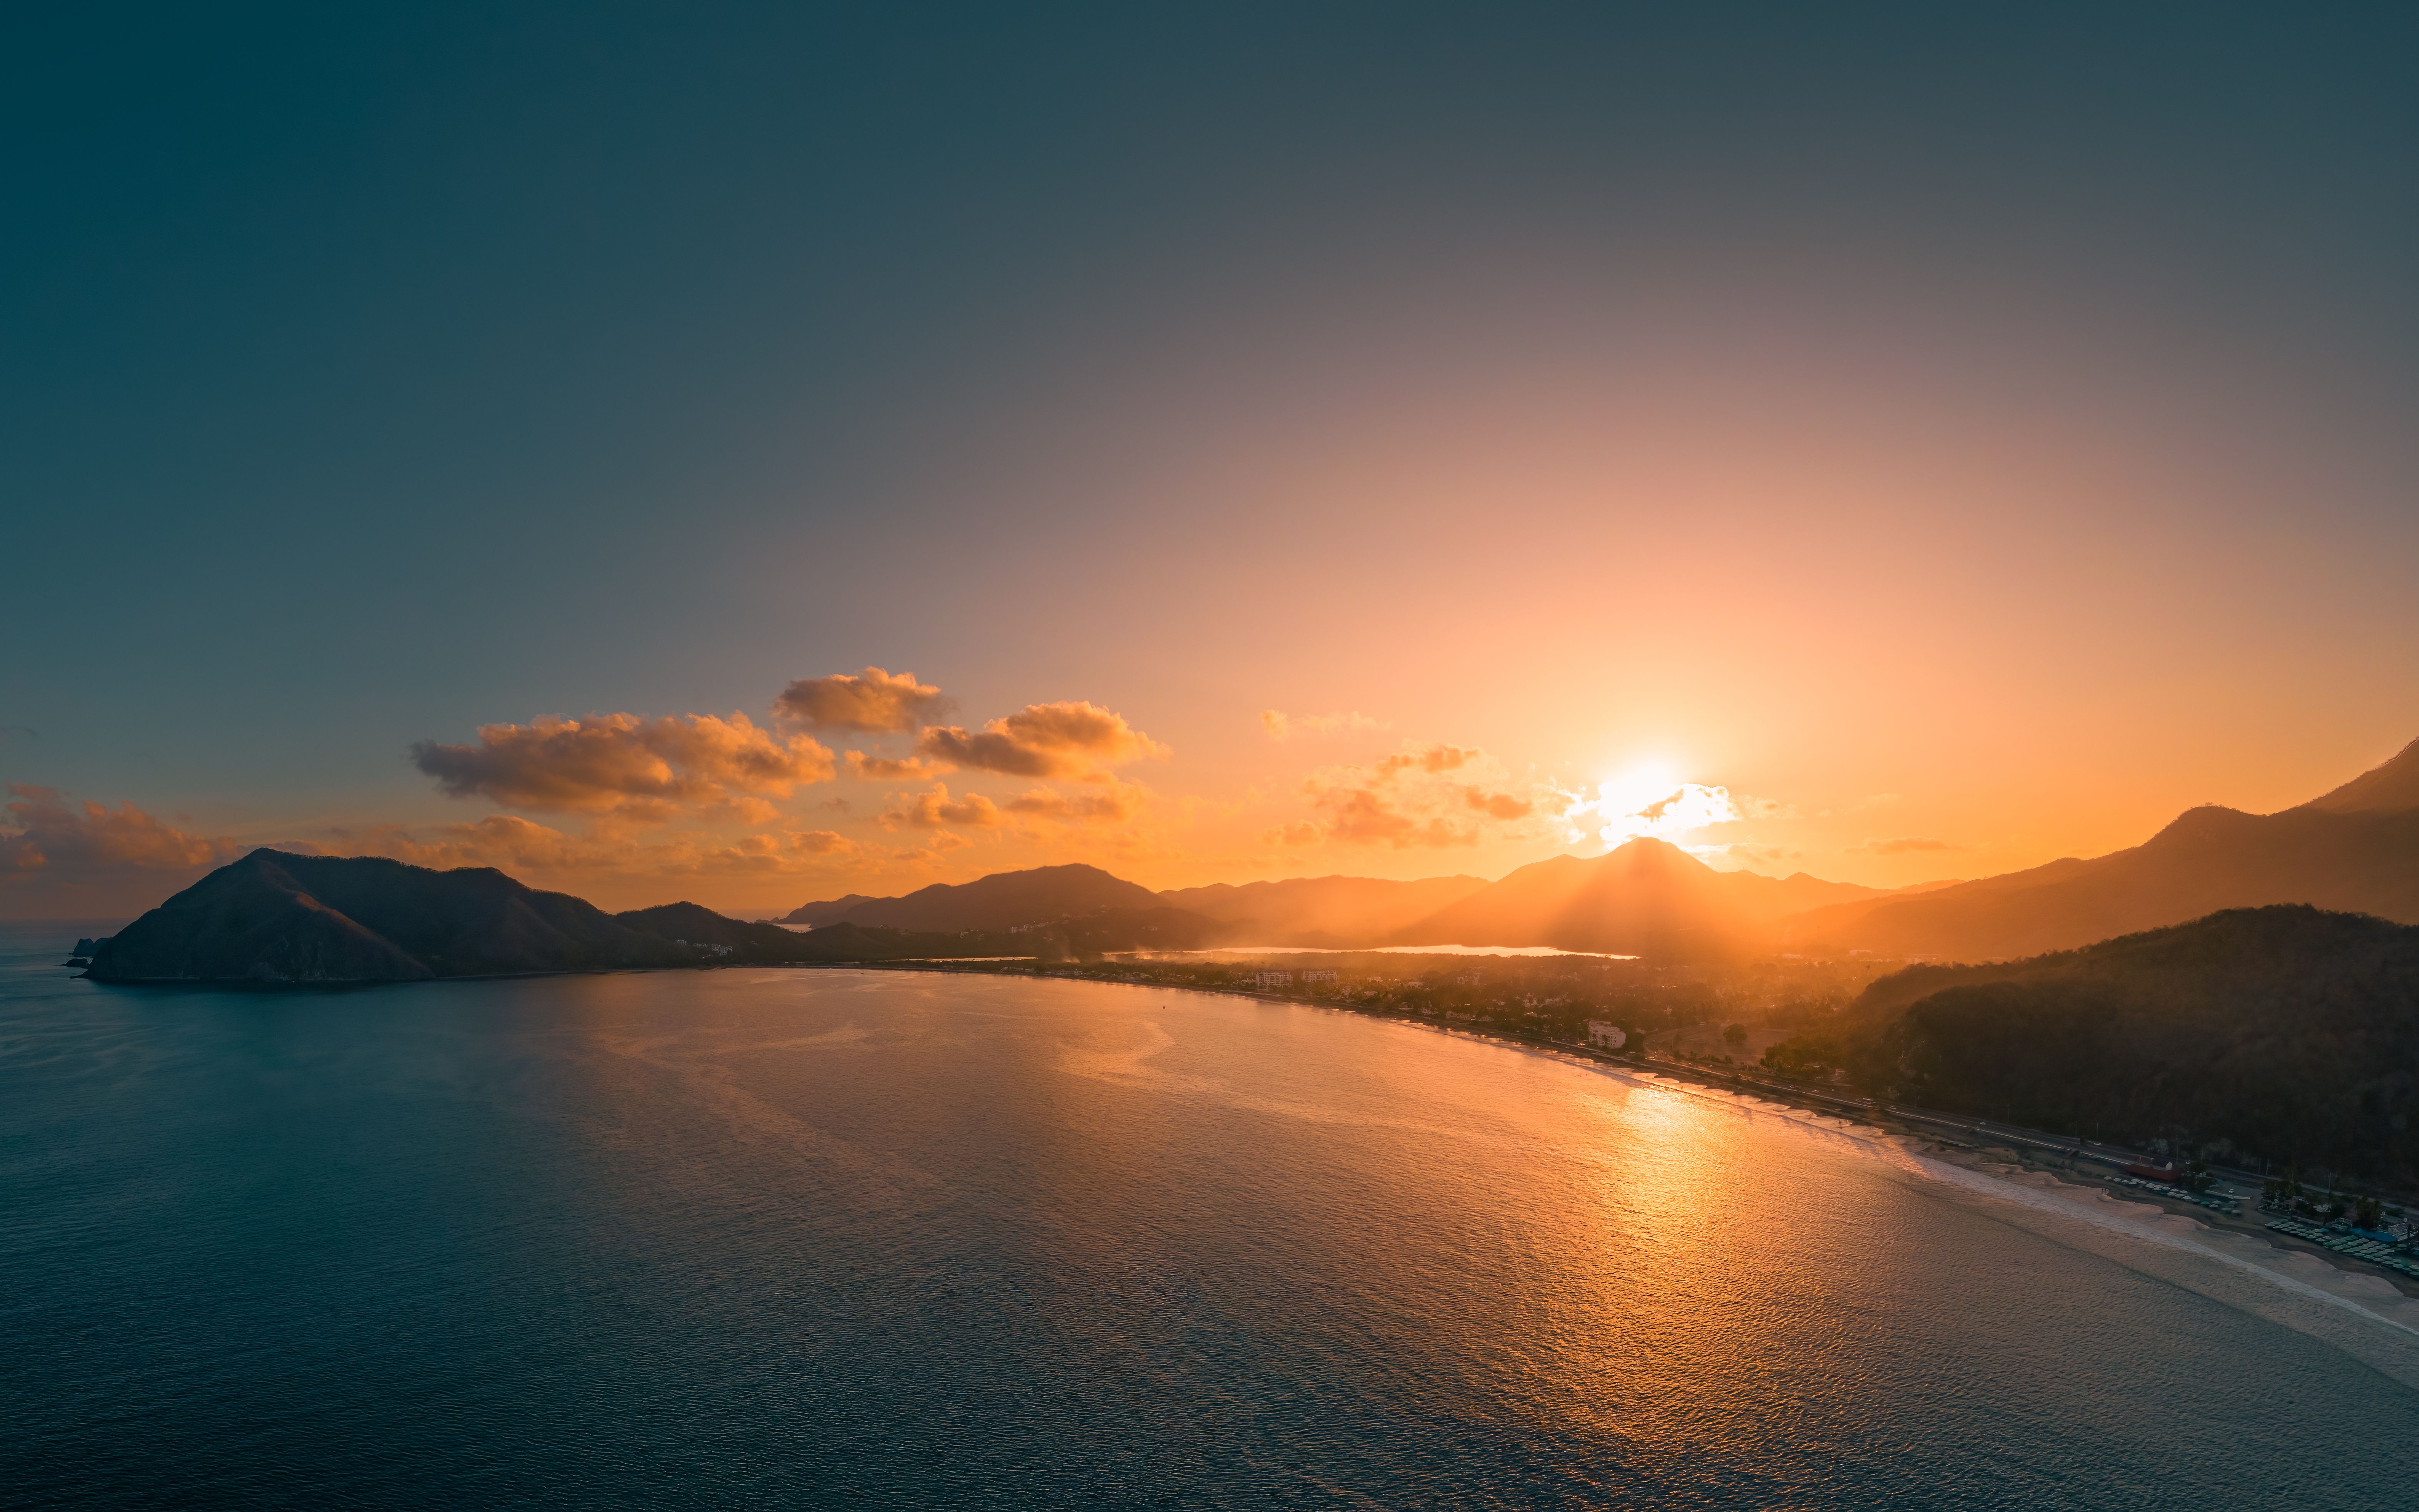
[1605,1036]
[1310,977]
[1266,979]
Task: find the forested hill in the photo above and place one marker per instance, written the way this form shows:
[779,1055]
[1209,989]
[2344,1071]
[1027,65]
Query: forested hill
[279,918]
[2286,1033]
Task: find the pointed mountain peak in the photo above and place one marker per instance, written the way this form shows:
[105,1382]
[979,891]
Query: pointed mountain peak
[2392,787]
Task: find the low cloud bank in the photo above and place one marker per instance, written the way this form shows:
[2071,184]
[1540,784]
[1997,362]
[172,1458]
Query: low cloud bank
[87,857]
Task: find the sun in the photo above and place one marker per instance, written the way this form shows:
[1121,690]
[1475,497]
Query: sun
[1640,783]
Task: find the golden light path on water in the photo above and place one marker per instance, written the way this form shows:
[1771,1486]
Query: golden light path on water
[928,1237]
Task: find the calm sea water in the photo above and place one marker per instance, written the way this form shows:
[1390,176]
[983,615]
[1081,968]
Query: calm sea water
[822,1238]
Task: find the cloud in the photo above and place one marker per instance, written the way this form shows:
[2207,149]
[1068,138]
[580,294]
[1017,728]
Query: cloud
[1666,810]
[639,769]
[1281,726]
[1045,740]
[517,845]
[1429,795]
[65,849]
[935,808]
[1429,759]
[893,768]
[1900,846]
[1365,816]
[1498,805]
[1113,804]
[874,702]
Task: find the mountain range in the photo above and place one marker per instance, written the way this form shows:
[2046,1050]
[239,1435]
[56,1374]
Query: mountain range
[2355,848]
[1001,900]
[275,916]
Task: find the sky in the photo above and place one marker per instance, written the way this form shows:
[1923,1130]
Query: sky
[752,454]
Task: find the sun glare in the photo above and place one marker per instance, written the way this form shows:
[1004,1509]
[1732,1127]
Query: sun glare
[1643,782]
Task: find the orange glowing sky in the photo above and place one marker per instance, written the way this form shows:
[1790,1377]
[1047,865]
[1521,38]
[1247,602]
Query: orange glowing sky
[1925,490]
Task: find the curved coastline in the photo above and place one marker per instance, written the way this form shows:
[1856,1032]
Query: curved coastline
[2295,1273]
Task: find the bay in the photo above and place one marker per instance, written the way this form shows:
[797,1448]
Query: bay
[743,1239]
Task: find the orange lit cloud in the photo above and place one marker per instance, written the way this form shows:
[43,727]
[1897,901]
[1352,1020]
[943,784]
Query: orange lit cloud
[873,701]
[1113,804]
[893,768]
[935,809]
[639,769]
[1429,759]
[1045,740]
[1423,796]
[1363,817]
[66,848]
[1498,805]
[514,844]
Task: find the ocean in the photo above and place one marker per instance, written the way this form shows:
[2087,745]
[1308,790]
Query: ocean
[829,1238]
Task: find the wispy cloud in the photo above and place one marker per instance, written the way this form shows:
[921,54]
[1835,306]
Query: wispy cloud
[521,845]
[1426,796]
[1113,803]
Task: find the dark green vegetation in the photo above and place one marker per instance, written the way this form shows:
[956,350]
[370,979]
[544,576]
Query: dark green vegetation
[274,917]
[2284,1034]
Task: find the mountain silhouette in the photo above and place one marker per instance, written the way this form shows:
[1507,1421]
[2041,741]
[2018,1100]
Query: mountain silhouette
[1335,911]
[2356,849]
[1004,900]
[274,916]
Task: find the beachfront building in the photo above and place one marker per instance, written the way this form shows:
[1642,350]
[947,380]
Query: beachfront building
[1310,979]
[1267,980]
[1605,1036]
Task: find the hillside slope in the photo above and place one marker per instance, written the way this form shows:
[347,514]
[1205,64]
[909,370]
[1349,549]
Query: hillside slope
[1646,898]
[1001,900]
[277,916]
[2289,1032]
[1323,911]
